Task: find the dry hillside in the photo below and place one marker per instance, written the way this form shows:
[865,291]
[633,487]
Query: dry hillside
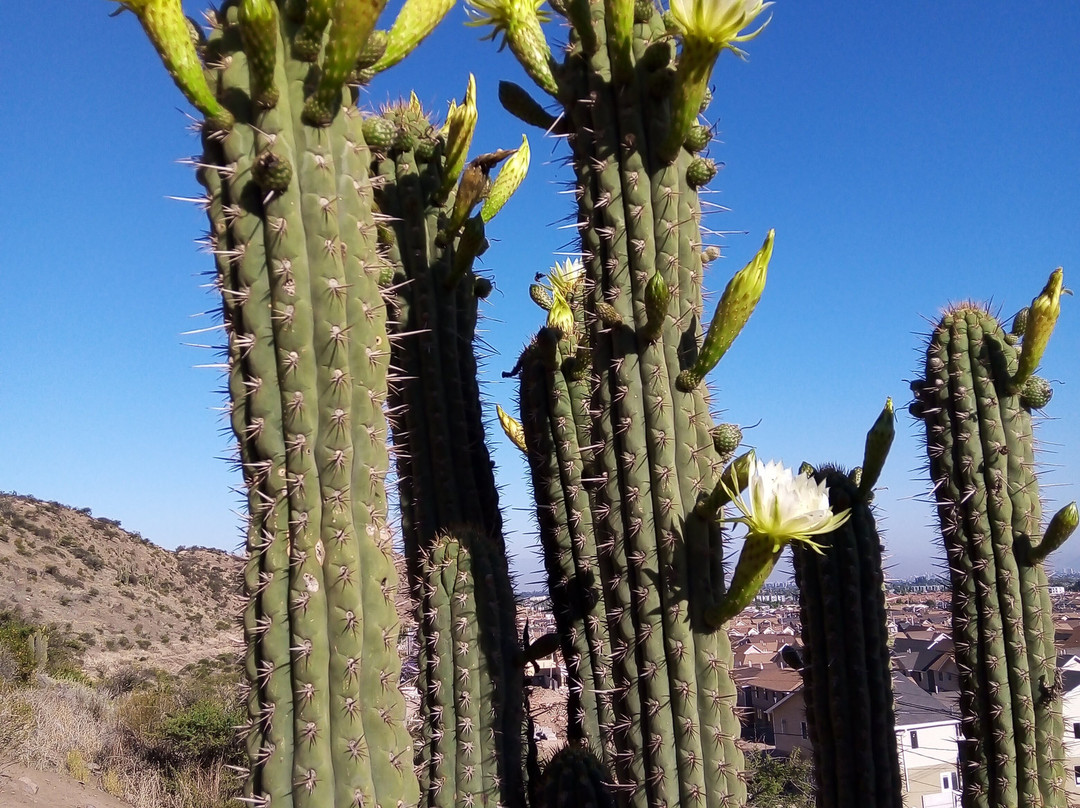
[126,599]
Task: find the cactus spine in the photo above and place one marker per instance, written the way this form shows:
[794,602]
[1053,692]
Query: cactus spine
[981,452]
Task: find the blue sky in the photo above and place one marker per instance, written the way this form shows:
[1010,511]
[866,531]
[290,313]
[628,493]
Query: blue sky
[908,155]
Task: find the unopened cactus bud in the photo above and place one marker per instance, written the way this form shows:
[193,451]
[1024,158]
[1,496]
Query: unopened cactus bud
[643,11]
[512,427]
[519,21]
[700,172]
[878,441]
[517,101]
[413,23]
[379,132]
[710,254]
[258,33]
[1019,323]
[507,182]
[1061,527]
[1035,393]
[1041,319]
[706,101]
[733,311]
[482,288]
[272,172]
[540,296]
[608,314]
[471,190]
[697,139]
[352,24]
[726,438]
[372,51]
[307,42]
[657,298]
[460,125]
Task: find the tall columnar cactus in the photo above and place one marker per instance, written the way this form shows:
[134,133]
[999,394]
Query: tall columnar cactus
[471,753]
[629,101]
[981,451]
[846,667]
[445,474]
[286,166]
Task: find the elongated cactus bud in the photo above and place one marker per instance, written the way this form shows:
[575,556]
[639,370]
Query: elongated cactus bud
[519,23]
[413,23]
[736,305]
[517,101]
[460,125]
[1041,319]
[1061,527]
[878,441]
[512,427]
[167,28]
[352,24]
[258,32]
[657,298]
[560,316]
[507,182]
[619,18]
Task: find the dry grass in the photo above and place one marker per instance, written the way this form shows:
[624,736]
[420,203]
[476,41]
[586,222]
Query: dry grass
[82,732]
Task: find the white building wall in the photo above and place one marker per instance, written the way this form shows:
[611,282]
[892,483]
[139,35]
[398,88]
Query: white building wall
[928,763]
[1070,712]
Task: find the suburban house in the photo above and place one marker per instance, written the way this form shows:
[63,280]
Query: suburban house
[1070,712]
[927,729]
[760,690]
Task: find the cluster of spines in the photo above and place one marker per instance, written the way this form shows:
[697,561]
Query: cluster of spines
[981,453]
[846,666]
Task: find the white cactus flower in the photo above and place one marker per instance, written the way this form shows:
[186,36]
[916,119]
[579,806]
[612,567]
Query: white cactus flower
[718,22]
[565,277]
[783,506]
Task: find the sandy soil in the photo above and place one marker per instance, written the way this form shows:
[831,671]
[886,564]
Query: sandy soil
[21,788]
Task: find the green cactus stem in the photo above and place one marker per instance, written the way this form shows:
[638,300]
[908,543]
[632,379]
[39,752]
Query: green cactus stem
[981,452]
[846,664]
[473,671]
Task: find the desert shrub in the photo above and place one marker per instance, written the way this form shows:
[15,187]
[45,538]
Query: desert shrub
[124,680]
[204,732]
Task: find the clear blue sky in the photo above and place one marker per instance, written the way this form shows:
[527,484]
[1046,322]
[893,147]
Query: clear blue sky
[908,155]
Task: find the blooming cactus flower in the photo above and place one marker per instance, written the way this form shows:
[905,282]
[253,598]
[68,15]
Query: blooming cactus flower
[718,22]
[783,506]
[778,507]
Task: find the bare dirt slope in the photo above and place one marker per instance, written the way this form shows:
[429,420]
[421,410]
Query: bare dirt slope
[127,600]
[23,788]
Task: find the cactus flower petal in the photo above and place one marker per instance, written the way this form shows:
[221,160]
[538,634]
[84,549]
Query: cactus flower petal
[784,507]
[718,22]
